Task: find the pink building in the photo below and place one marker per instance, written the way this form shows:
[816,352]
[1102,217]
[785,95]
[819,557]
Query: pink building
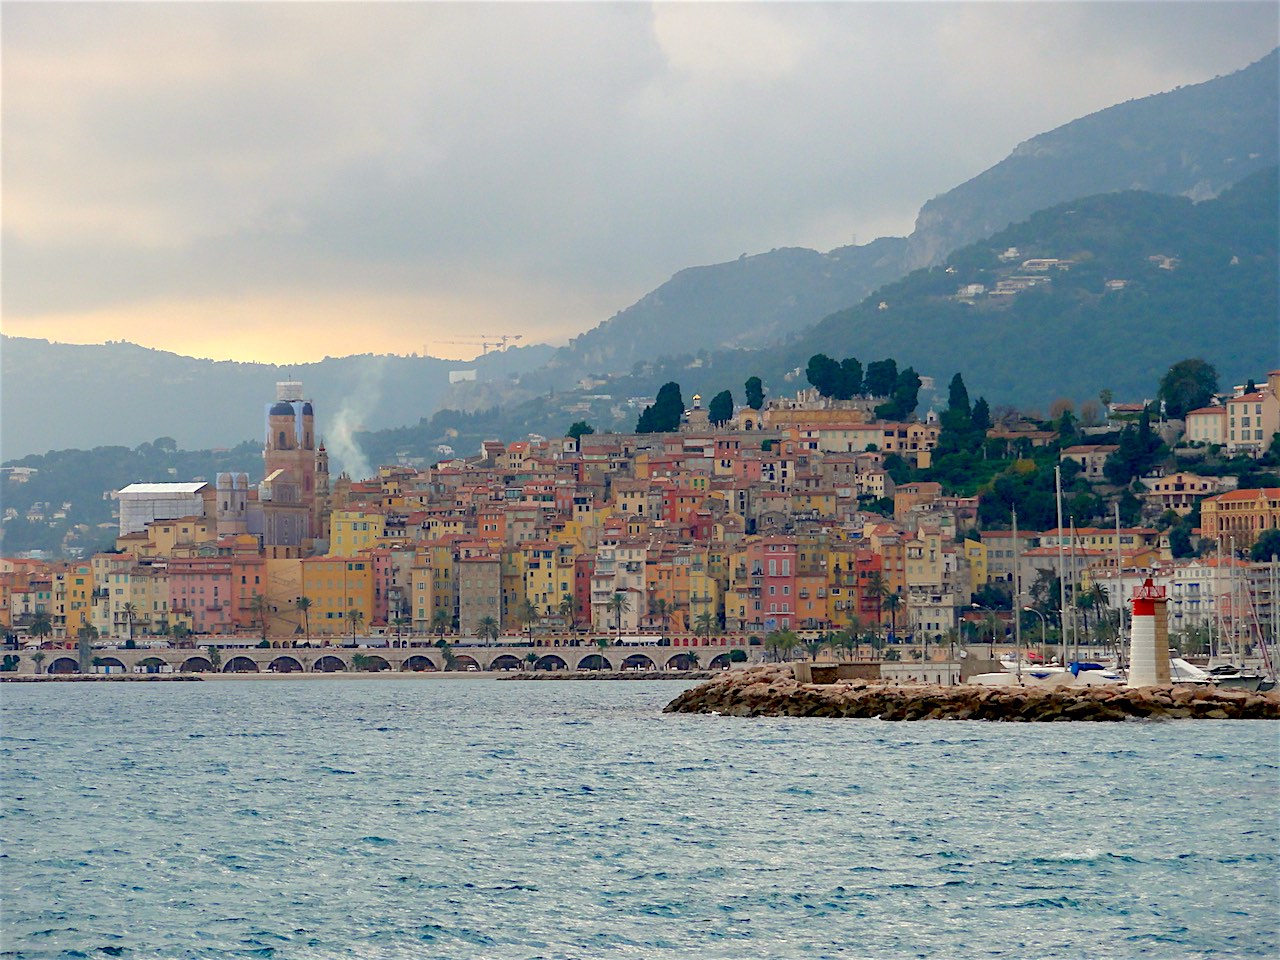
[201,587]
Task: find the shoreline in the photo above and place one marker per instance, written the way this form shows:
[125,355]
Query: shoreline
[540,675]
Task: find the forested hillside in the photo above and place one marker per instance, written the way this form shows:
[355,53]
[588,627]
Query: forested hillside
[1146,279]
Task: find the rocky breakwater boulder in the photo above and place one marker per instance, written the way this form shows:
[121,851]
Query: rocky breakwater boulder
[773,691]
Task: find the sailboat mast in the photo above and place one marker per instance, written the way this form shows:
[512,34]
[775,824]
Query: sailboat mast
[1075,595]
[1217,608]
[1017,600]
[1119,572]
[1062,581]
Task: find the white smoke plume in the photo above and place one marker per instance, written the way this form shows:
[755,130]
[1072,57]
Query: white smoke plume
[354,410]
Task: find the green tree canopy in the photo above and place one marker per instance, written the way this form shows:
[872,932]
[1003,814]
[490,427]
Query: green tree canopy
[1266,547]
[755,393]
[850,378]
[579,429]
[823,373]
[1187,385]
[904,398]
[981,415]
[665,413]
[720,410]
[958,395]
[881,377]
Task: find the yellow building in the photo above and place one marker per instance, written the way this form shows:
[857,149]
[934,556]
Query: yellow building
[547,570]
[73,598]
[165,538]
[421,592]
[1239,517]
[352,531]
[341,593]
[975,552]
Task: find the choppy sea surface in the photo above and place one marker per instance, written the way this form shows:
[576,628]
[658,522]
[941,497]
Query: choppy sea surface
[490,819]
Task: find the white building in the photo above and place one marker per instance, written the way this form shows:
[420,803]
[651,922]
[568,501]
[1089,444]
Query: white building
[141,503]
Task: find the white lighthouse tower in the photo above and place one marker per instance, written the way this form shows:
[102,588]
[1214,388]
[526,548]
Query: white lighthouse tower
[1149,639]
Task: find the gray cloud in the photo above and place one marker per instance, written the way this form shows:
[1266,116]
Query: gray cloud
[550,161]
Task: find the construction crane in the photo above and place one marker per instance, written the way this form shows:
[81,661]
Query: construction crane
[486,341]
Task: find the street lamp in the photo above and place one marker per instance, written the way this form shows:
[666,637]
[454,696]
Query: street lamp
[991,647]
[1044,649]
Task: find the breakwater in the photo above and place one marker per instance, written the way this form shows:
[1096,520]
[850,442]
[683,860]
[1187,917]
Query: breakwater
[773,691]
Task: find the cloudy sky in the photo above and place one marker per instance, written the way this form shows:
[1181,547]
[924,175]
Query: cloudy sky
[285,181]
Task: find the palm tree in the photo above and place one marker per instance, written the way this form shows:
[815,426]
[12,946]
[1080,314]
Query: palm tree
[695,659]
[891,603]
[399,622]
[663,610]
[259,606]
[130,612]
[879,589]
[361,662]
[303,604]
[853,635]
[781,642]
[951,637]
[567,608]
[618,604]
[38,657]
[530,658]
[488,629]
[215,656]
[814,647]
[704,624]
[356,617]
[41,625]
[603,645]
[529,616]
[440,622]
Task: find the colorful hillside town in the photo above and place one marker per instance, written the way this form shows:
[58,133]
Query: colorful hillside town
[780,521]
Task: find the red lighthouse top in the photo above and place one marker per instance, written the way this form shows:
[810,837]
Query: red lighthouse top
[1146,597]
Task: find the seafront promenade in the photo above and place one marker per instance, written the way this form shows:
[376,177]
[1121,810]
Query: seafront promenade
[366,660]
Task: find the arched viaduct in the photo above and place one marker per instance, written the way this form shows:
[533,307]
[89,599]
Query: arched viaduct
[465,659]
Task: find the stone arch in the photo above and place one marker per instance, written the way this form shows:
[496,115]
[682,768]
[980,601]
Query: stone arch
[681,661]
[377,664]
[721,662]
[151,664]
[638,661]
[240,665]
[196,665]
[63,665]
[465,662]
[505,661]
[284,665]
[550,662]
[329,664]
[594,661]
[109,662]
[419,664]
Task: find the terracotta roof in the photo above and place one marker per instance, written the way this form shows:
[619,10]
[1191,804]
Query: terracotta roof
[1262,493]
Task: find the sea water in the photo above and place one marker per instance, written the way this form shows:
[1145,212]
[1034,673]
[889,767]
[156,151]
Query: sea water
[436,819]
